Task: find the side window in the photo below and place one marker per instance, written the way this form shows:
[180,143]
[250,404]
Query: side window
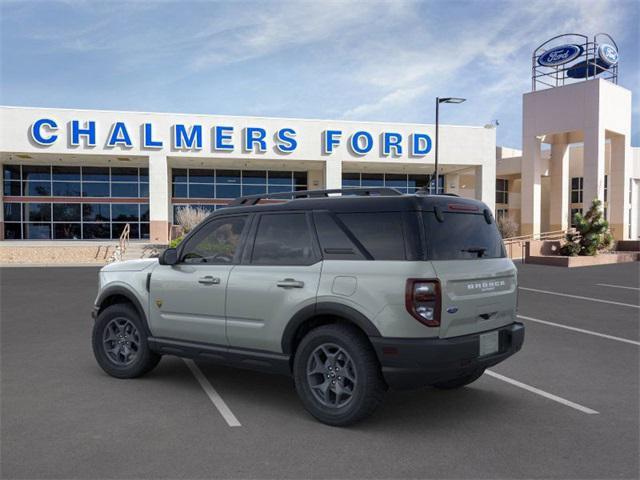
[216,243]
[380,233]
[334,242]
[283,239]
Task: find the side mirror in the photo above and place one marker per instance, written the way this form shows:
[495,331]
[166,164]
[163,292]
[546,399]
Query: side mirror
[169,257]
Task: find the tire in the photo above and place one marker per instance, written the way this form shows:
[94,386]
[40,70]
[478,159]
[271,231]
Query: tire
[321,354]
[460,381]
[119,343]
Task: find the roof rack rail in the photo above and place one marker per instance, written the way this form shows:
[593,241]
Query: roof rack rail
[249,200]
[424,191]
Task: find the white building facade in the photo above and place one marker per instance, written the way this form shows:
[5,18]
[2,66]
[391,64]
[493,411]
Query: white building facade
[85,174]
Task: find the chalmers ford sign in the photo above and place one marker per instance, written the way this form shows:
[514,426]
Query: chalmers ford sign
[220,138]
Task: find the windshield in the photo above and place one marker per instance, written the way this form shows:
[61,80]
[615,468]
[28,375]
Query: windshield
[461,236]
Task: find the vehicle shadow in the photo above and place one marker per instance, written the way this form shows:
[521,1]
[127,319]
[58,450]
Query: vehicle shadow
[268,396]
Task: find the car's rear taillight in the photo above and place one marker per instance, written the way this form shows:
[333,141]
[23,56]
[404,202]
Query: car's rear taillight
[422,298]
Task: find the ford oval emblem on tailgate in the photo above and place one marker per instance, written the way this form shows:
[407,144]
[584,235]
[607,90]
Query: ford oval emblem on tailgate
[452,309]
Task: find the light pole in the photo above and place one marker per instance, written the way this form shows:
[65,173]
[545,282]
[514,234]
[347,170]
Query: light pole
[438,102]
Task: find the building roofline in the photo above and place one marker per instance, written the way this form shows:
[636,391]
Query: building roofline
[21,107]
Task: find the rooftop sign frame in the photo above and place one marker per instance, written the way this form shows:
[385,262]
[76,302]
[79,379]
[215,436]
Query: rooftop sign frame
[573,57]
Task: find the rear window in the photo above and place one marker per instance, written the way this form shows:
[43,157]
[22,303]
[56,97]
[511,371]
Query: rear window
[380,233]
[461,236]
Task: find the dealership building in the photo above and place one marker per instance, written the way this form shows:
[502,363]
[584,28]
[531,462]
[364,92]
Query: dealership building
[86,174]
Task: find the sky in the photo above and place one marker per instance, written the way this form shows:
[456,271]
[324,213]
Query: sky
[343,60]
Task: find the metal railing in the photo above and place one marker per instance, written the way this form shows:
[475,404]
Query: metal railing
[515,246]
[123,243]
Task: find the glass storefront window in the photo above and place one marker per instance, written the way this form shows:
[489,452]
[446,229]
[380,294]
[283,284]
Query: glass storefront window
[372,180]
[12,212]
[36,172]
[12,188]
[95,189]
[11,172]
[124,212]
[95,174]
[12,231]
[37,231]
[400,181]
[227,176]
[201,176]
[66,173]
[254,189]
[37,212]
[195,183]
[37,189]
[280,178]
[129,190]
[67,231]
[227,191]
[66,212]
[96,231]
[74,219]
[197,190]
[96,212]
[119,174]
[254,177]
[66,189]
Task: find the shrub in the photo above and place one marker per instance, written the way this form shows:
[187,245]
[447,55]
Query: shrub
[592,233]
[508,227]
[176,241]
[189,217]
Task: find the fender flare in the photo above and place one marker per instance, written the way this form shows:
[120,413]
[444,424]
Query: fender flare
[129,295]
[330,309]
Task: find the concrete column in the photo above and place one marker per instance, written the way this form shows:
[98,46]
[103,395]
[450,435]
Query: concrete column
[485,186]
[315,179]
[452,183]
[332,174]
[159,198]
[559,204]
[593,166]
[618,188]
[531,186]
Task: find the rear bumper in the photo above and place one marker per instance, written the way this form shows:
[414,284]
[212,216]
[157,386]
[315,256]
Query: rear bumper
[416,362]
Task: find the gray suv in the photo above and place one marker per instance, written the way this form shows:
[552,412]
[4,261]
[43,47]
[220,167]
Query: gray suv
[350,292]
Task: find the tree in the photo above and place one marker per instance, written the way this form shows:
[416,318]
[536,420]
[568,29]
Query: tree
[507,226]
[188,218]
[592,233]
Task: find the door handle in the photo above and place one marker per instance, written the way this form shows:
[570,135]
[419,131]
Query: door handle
[290,283]
[209,280]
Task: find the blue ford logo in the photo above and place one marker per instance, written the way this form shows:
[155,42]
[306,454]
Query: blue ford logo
[608,54]
[452,309]
[560,55]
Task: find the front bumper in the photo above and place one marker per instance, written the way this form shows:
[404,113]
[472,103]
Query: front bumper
[417,362]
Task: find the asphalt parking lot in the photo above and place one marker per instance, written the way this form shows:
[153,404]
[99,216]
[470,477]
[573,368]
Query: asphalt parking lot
[566,406]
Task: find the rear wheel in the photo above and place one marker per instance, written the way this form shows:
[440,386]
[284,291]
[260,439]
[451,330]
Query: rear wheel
[120,343]
[337,375]
[460,381]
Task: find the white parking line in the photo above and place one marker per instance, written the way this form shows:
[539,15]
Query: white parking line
[581,330]
[616,286]
[542,393]
[213,395]
[580,298]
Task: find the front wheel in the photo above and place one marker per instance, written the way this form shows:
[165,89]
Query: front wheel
[337,375]
[120,343]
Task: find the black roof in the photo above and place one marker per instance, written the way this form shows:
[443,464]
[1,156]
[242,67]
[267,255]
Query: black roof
[350,203]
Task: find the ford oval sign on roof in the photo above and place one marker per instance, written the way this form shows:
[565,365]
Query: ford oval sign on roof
[560,55]
[608,54]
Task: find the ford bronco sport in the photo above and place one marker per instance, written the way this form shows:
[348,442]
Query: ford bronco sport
[350,294]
